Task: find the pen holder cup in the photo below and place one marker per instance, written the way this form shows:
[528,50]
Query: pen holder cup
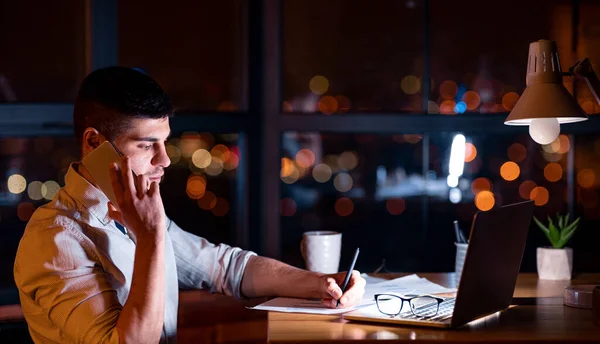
[461,253]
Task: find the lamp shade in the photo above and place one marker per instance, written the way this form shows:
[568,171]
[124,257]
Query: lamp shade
[545,96]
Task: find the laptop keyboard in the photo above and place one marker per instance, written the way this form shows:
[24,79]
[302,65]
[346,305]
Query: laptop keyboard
[428,312]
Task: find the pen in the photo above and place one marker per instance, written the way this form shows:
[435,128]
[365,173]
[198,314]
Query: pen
[457,232]
[348,274]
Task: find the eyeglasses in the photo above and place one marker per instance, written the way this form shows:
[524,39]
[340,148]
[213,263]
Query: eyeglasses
[420,305]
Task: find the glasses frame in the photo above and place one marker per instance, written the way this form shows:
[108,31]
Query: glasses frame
[409,300]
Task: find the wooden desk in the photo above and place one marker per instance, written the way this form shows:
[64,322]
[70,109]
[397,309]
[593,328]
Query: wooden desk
[538,317]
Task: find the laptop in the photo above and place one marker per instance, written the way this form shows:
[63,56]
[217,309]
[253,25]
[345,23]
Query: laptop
[492,264]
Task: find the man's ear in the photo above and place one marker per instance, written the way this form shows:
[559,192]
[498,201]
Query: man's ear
[91,139]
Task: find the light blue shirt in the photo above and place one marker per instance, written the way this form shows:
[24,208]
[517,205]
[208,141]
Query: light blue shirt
[74,266]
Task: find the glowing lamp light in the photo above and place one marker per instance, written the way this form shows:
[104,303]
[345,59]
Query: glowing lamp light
[546,104]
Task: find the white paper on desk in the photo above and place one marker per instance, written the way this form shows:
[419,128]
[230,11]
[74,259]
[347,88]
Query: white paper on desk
[401,285]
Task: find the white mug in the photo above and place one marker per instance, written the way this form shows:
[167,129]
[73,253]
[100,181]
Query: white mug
[321,251]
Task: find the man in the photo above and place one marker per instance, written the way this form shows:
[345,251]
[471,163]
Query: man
[81,277]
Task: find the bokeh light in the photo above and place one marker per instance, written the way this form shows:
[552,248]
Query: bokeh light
[220,153]
[49,189]
[471,98]
[395,206]
[509,100]
[539,195]
[348,160]
[208,201]
[25,210]
[287,167]
[481,184]
[221,208]
[196,186]
[586,178]
[413,138]
[201,158]
[328,105]
[343,182]
[510,171]
[16,184]
[34,190]
[174,153]
[232,163]
[484,200]
[343,103]
[525,188]
[305,158]
[470,152]
[448,89]
[190,142]
[318,84]
[447,107]
[287,207]
[553,172]
[344,206]
[215,168]
[517,152]
[292,177]
[410,84]
[322,173]
[561,145]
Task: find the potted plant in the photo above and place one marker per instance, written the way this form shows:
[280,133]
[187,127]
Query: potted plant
[556,262]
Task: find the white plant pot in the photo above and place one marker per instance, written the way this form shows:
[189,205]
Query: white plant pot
[554,263]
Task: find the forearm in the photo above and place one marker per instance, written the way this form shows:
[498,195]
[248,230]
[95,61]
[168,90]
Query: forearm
[142,316]
[268,277]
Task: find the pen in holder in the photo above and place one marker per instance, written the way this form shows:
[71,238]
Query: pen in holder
[461,252]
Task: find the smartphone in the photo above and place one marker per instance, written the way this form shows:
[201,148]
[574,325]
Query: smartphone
[97,163]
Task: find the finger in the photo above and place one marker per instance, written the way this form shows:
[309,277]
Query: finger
[332,288]
[355,291]
[126,173]
[140,186]
[114,214]
[115,181]
[154,190]
[330,303]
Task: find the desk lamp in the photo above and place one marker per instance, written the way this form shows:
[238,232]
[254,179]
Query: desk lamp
[546,103]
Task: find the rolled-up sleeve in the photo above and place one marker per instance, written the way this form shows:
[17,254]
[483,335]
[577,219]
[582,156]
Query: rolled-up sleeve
[203,265]
[59,281]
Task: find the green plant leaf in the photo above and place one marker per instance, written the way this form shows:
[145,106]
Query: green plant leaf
[560,222]
[569,228]
[563,241]
[554,234]
[567,219]
[542,227]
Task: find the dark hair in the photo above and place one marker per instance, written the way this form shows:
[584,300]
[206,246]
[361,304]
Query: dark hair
[109,98]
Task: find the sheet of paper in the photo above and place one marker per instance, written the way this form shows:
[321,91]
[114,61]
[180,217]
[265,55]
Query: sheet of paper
[402,285]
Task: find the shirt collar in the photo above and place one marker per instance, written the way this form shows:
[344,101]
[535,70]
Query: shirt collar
[86,195]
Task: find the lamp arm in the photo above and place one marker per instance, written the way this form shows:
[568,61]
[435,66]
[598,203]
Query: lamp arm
[583,70]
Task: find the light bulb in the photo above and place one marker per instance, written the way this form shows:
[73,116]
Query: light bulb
[544,130]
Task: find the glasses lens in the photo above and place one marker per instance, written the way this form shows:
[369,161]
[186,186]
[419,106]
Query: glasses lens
[424,306]
[389,304]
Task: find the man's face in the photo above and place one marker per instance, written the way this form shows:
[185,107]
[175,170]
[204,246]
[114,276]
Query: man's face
[144,143]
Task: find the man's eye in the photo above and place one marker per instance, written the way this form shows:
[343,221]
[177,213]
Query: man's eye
[147,147]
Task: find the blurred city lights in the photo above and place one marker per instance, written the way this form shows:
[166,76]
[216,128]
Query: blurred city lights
[221,207]
[208,201]
[510,171]
[457,160]
[328,105]
[348,160]
[287,207]
[410,84]
[509,100]
[322,173]
[447,107]
[16,184]
[470,152]
[448,89]
[318,84]
[344,206]
[432,107]
[174,153]
[481,184]
[25,210]
[196,186]
[460,107]
[215,168]
[287,167]
[220,153]
[516,152]
[49,189]
[413,138]
[395,206]
[455,195]
[484,200]
[305,158]
[539,195]
[586,178]
[343,182]
[553,172]
[525,188]
[343,103]
[233,162]
[34,190]
[201,158]
[471,98]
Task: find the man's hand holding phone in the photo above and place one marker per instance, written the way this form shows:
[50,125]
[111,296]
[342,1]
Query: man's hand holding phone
[140,207]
